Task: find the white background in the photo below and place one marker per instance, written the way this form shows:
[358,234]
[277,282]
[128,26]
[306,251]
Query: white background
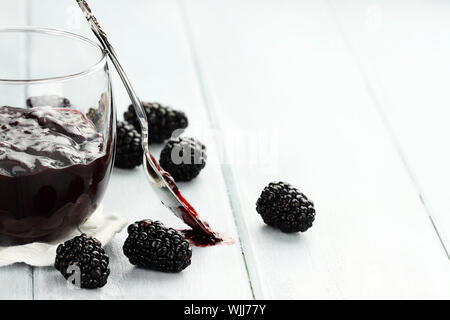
[346,99]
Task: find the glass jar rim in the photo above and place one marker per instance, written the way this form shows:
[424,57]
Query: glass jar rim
[57,32]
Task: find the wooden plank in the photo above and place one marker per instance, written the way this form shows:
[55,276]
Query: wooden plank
[16,280]
[151,45]
[403,54]
[282,67]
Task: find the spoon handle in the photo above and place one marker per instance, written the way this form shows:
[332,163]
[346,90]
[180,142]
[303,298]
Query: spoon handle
[102,37]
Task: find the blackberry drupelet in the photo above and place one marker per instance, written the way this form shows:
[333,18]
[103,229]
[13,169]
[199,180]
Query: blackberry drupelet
[162,120]
[128,146]
[48,100]
[183,158]
[87,254]
[151,245]
[284,207]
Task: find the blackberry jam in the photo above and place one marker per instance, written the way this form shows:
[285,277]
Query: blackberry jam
[54,169]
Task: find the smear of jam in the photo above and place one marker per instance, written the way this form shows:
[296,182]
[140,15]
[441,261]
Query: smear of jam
[201,234]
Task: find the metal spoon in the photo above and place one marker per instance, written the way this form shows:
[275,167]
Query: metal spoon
[162,183]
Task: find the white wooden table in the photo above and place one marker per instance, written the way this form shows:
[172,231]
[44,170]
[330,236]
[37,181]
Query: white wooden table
[347,99]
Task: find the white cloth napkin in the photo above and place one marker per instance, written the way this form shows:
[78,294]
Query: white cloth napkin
[100,225]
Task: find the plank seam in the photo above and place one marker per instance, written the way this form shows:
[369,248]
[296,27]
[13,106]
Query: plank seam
[227,173]
[377,98]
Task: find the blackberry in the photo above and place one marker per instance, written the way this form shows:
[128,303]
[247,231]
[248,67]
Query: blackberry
[151,245]
[48,100]
[183,158]
[284,207]
[94,116]
[87,254]
[162,120]
[97,114]
[128,146]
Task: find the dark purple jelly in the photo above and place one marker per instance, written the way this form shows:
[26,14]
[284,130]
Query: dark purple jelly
[54,168]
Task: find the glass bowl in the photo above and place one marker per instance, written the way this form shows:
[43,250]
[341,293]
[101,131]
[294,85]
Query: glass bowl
[57,132]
